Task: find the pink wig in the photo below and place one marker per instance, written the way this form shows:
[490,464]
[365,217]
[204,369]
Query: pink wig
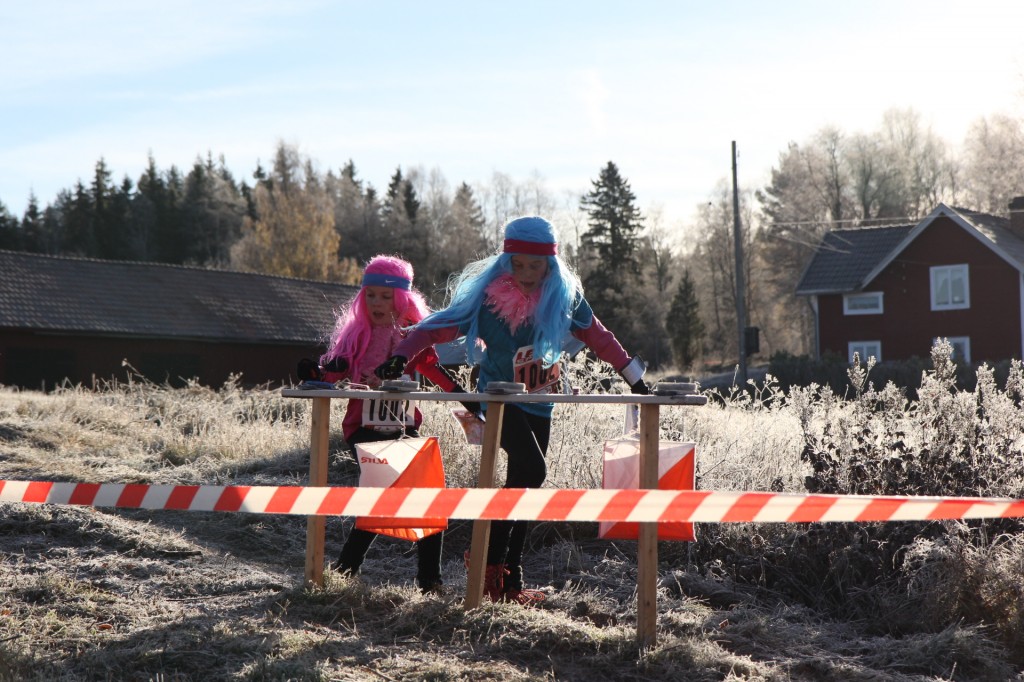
[351,333]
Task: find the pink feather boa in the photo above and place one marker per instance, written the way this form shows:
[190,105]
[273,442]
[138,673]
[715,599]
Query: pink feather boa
[508,301]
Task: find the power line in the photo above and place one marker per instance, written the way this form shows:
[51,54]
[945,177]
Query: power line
[893,221]
[888,221]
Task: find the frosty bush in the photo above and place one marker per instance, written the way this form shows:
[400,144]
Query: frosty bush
[949,442]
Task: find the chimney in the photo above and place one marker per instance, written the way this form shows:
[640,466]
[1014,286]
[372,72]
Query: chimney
[1017,216]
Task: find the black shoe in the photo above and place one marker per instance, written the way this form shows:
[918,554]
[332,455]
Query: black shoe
[344,569]
[434,586]
[513,578]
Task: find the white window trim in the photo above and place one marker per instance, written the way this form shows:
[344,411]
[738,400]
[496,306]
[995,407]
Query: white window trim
[964,341]
[937,271]
[847,310]
[853,346]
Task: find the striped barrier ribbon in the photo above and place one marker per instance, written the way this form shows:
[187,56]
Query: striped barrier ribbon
[513,503]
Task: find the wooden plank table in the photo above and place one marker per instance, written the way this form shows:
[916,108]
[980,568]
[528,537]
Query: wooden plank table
[647,543]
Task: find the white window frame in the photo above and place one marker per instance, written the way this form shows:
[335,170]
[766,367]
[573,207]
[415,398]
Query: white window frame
[851,306]
[947,276]
[964,342]
[865,349]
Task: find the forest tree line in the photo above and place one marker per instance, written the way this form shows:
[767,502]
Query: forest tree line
[669,296]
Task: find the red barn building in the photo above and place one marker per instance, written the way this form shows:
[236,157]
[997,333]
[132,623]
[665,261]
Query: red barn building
[890,292]
[78,319]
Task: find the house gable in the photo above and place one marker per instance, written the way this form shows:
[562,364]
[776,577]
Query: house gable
[989,230]
[906,325]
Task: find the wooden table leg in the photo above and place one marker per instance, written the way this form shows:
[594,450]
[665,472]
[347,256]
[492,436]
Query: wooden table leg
[482,528]
[647,544]
[316,525]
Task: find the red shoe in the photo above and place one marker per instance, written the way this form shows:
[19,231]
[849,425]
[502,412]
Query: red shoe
[524,597]
[494,579]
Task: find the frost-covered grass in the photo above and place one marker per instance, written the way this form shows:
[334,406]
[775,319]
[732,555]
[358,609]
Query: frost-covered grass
[107,594]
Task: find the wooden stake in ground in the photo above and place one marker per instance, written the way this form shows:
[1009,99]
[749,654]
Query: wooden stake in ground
[482,527]
[316,525]
[647,541]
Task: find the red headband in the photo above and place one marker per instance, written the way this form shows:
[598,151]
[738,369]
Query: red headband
[530,248]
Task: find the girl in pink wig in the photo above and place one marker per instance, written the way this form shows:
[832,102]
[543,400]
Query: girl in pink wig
[366,333]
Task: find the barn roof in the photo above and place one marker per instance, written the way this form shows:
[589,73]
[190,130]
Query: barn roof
[61,294]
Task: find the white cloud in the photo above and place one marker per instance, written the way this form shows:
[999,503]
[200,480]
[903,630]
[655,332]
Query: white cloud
[52,41]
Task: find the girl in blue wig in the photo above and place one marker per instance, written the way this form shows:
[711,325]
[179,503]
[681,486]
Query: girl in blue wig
[520,304]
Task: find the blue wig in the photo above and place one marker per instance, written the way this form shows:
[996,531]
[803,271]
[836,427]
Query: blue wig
[560,292]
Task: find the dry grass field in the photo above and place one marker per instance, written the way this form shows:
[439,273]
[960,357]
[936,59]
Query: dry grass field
[105,594]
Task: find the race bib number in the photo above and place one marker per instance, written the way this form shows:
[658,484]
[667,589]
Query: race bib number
[532,372]
[388,415]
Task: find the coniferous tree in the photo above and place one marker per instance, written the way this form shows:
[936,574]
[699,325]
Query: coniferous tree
[159,233]
[394,193]
[410,202]
[55,223]
[401,232]
[173,248]
[394,219]
[147,207]
[259,175]
[609,254]
[104,228]
[10,230]
[685,328]
[466,239]
[122,223]
[212,212]
[77,214]
[32,227]
[614,223]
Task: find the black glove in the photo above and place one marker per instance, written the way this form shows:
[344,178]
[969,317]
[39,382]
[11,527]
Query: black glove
[307,370]
[392,368]
[640,388]
[633,373]
[338,364]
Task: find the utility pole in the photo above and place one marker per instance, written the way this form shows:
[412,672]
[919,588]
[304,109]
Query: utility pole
[741,322]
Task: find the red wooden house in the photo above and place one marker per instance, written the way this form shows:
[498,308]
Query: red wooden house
[890,292]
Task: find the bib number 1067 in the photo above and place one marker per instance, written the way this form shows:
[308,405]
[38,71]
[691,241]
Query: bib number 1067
[531,371]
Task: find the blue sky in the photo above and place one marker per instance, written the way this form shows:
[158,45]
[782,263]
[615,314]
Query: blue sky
[555,89]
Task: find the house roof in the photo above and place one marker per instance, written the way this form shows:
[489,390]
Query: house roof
[997,230]
[845,257]
[848,260]
[62,294]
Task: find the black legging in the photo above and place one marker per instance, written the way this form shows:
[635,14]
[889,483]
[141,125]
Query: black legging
[524,438]
[428,550]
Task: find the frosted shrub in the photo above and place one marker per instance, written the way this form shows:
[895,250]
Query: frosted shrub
[948,443]
[745,441]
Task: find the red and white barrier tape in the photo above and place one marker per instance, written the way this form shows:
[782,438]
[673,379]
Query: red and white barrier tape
[495,504]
